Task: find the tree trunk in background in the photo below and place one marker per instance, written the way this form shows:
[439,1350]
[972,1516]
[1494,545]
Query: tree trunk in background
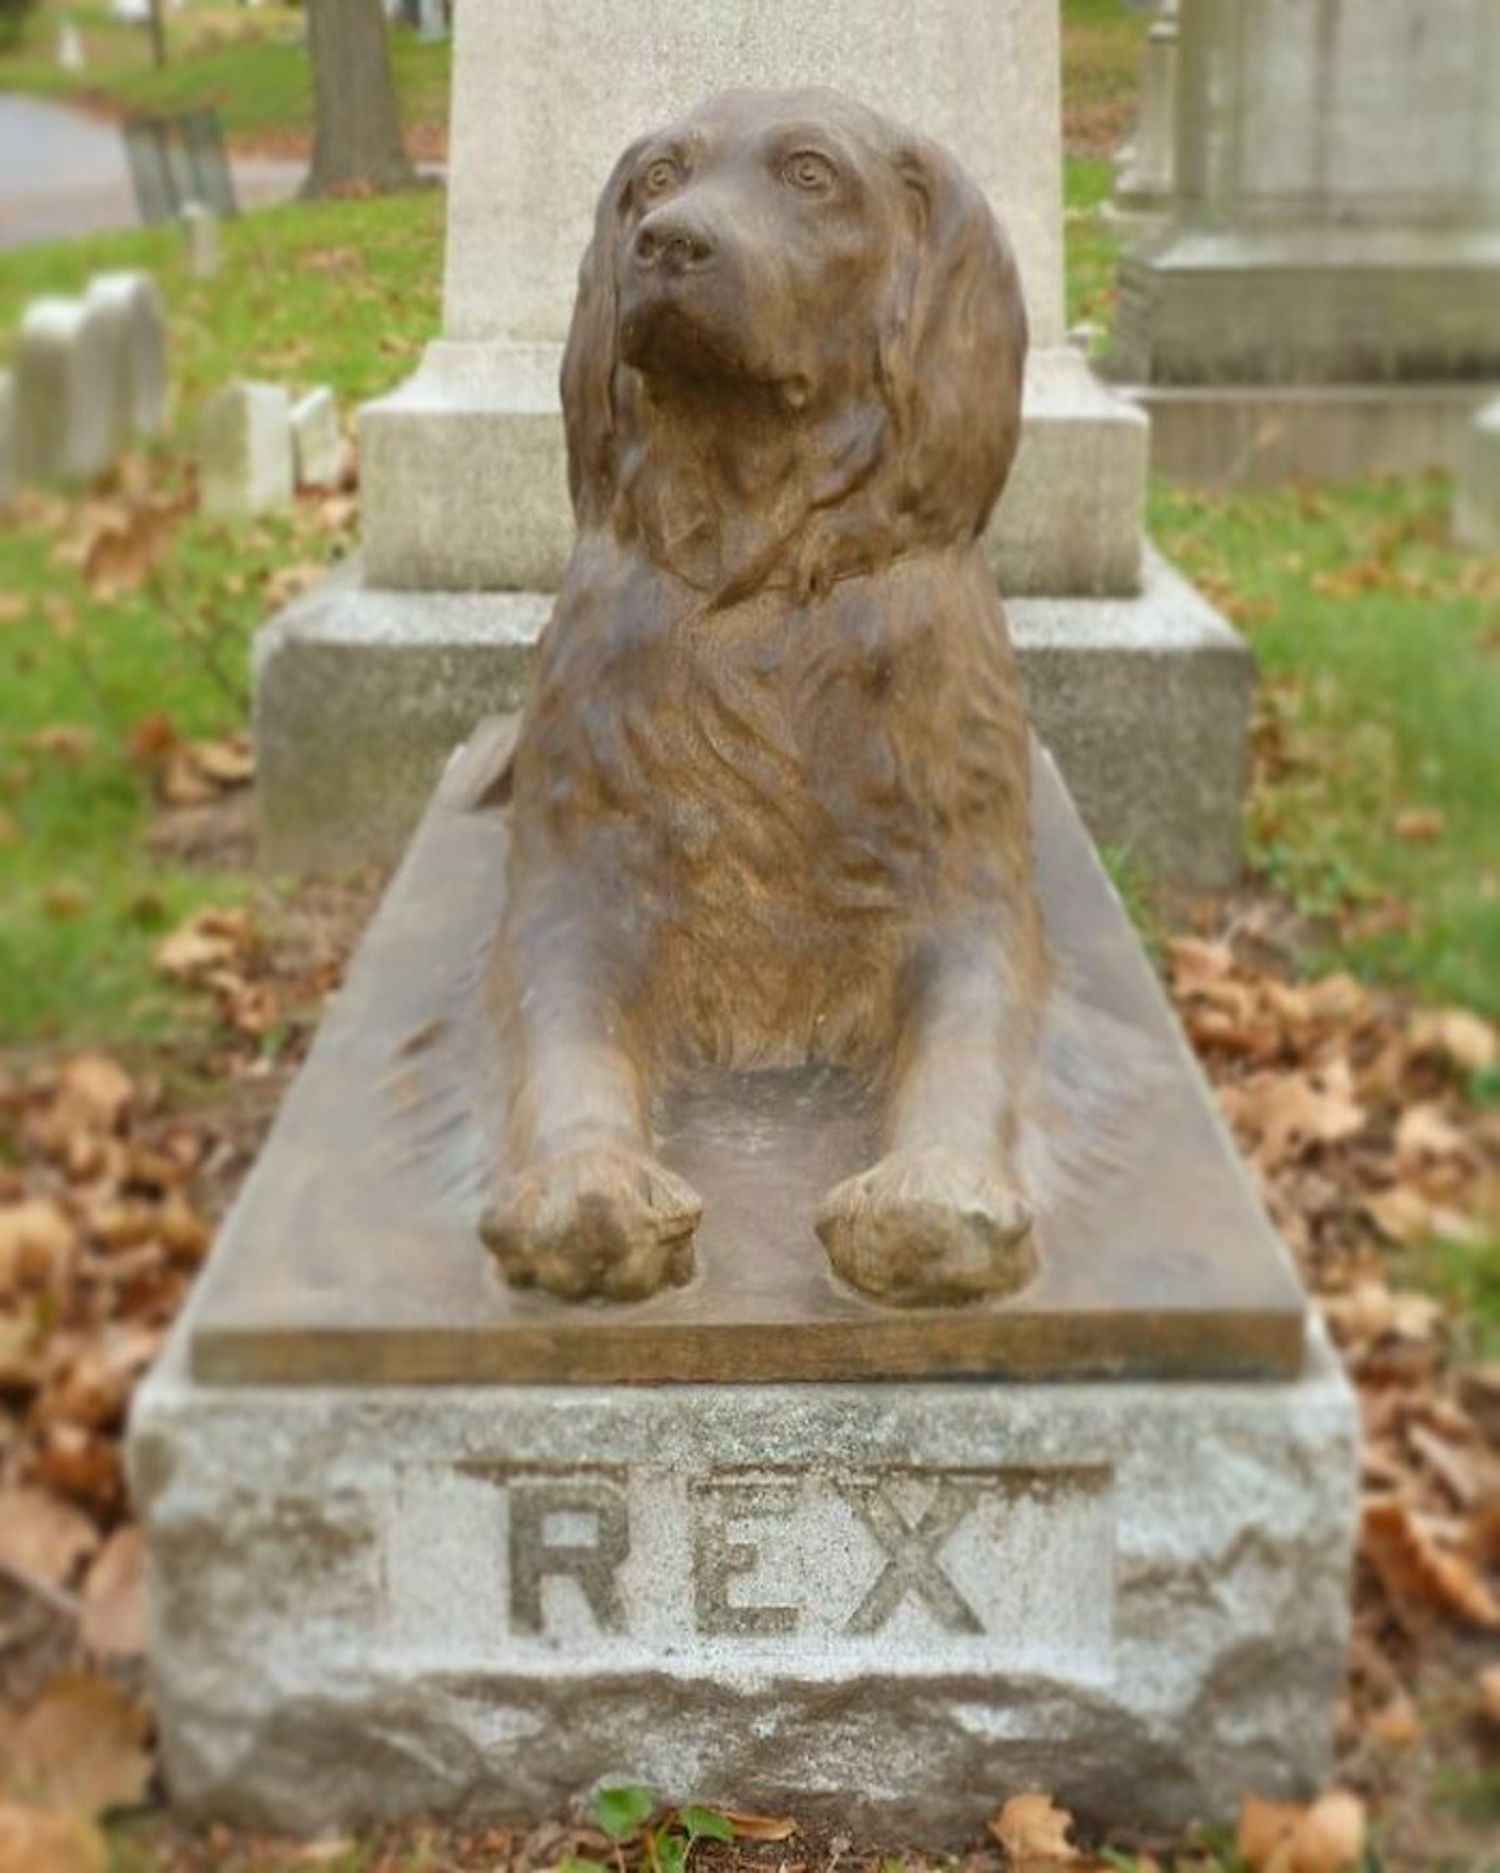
[357,144]
[158,34]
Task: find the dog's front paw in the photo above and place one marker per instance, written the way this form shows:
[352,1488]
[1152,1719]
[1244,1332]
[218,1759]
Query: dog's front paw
[924,1227]
[601,1220]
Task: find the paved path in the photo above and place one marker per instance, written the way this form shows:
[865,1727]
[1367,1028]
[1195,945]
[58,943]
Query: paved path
[64,173]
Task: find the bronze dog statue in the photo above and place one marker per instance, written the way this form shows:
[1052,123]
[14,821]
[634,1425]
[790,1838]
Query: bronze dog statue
[770,793]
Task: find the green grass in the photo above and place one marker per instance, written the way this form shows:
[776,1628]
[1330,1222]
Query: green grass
[339,293]
[343,293]
[1102,41]
[1093,247]
[1381,696]
[253,68]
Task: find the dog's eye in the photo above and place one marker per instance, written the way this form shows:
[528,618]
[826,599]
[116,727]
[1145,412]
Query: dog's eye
[661,175]
[806,169]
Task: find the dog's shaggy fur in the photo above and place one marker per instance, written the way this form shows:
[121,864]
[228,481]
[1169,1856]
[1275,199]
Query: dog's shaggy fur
[769,797]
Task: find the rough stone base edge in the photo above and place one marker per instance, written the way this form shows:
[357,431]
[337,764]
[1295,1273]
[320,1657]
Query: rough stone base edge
[1247,436]
[361,695]
[284,1703]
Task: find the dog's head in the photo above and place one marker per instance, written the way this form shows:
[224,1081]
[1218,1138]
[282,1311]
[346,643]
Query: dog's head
[795,253]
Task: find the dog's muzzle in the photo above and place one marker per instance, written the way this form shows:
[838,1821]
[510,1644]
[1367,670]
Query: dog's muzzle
[673,242]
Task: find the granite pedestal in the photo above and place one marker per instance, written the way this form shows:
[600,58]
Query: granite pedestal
[419,1543]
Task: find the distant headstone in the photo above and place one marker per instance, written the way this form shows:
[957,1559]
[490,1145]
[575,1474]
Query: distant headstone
[132,309]
[1143,190]
[317,445]
[1476,511]
[7,438]
[70,53]
[245,451]
[201,227]
[64,391]
[432,19]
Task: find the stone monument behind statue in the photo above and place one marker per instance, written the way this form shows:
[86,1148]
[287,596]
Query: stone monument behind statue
[1321,300]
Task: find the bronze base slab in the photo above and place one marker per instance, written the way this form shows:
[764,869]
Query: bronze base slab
[353,1256]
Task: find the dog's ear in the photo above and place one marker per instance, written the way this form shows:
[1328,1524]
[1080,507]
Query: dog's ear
[952,351]
[589,394]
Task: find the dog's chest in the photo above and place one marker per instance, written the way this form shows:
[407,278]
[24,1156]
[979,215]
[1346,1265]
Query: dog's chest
[773,756]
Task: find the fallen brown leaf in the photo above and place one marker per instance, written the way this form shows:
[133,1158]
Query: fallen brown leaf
[1288,1114]
[1031,1827]
[36,1238]
[1418,1572]
[208,940]
[113,1621]
[94,1089]
[1326,1837]
[64,741]
[1372,1311]
[759,1826]
[1401,1214]
[1419,825]
[1424,1133]
[1396,1724]
[41,1537]
[1466,1041]
[125,540]
[83,1747]
[34,1840]
[227,763]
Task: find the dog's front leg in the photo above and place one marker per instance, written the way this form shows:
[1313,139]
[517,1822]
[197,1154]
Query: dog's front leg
[585,1209]
[940,1216]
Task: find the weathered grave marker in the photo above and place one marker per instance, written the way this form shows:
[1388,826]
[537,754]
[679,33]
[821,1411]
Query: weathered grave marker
[65,399]
[131,306]
[317,444]
[9,480]
[1476,511]
[200,228]
[245,451]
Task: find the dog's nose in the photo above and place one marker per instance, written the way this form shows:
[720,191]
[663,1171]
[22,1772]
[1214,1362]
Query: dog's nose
[673,241]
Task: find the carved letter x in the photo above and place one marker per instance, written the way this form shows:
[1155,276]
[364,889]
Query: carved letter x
[912,1564]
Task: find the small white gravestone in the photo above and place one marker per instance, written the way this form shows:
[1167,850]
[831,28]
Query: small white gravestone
[64,391]
[7,438]
[317,444]
[432,19]
[132,309]
[1476,510]
[201,227]
[70,53]
[245,451]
